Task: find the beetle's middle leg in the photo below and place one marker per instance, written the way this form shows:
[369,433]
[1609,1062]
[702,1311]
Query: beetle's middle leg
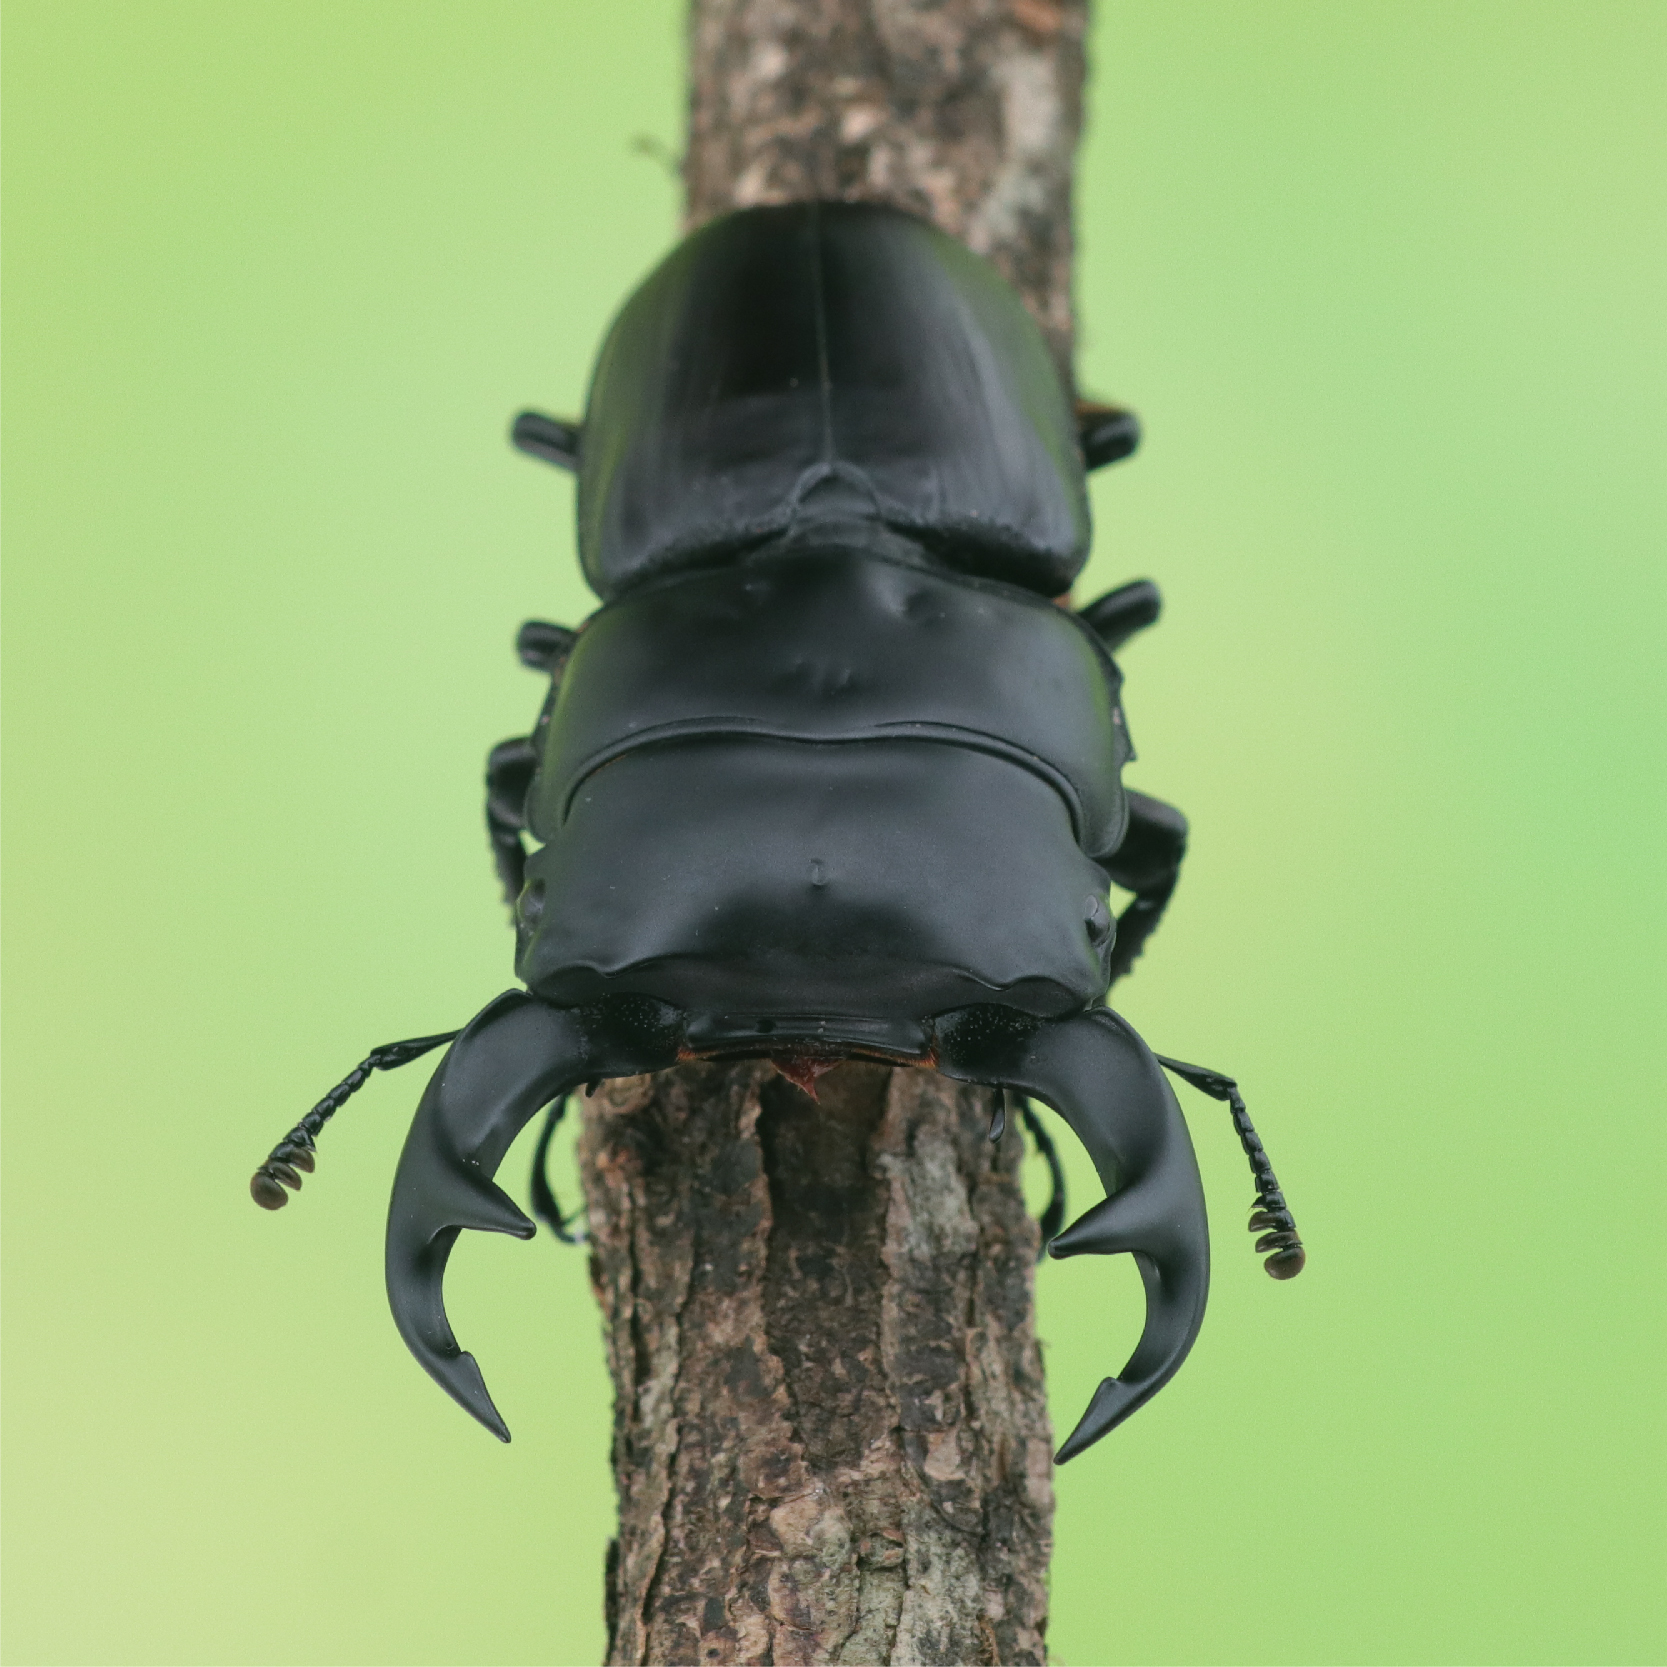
[1148,863]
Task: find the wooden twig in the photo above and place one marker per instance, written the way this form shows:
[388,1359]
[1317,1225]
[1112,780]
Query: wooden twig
[830,1437]
[966,112]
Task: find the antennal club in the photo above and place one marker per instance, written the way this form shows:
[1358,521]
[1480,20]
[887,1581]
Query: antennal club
[1286,1257]
[295,1151]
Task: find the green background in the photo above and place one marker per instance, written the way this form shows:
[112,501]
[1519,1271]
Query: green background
[1385,281]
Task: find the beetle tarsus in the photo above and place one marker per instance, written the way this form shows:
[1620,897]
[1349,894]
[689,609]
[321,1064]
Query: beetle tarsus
[1054,1212]
[1054,1215]
[545,1205]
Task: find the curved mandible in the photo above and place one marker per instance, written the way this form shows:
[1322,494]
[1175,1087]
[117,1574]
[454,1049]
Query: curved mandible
[1098,1074]
[517,1055]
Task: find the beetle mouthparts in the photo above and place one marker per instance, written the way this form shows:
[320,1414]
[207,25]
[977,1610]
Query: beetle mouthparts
[802,1070]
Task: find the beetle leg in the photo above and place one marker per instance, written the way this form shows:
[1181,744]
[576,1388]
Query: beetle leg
[1120,613]
[517,1055]
[509,773]
[1098,1074]
[1148,863]
[512,764]
[1053,1217]
[1106,433]
[547,438]
[541,645]
[545,1204]
[1054,1212]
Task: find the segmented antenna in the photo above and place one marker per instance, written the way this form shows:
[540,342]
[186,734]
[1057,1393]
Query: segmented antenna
[295,1151]
[1286,1257]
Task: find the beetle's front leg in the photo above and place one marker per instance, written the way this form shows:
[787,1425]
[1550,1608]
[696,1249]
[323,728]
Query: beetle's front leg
[512,764]
[517,1055]
[1148,863]
[509,772]
[1098,1074]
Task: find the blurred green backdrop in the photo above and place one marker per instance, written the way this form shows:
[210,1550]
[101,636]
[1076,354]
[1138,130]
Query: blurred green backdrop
[1385,279]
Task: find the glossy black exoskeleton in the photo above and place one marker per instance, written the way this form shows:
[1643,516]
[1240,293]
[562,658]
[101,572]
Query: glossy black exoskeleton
[832,772]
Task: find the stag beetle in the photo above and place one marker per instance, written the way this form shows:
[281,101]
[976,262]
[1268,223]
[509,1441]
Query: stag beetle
[832,773]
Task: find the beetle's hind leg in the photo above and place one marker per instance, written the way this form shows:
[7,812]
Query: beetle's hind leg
[1148,863]
[1106,433]
[1098,1074]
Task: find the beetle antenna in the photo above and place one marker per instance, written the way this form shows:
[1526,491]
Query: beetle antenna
[295,1151]
[1280,1241]
[544,1202]
[1053,1217]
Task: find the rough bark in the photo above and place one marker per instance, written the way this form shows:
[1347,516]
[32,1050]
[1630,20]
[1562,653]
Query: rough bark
[965,111]
[830,1437]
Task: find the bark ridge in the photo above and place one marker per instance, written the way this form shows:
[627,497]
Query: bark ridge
[830,1434]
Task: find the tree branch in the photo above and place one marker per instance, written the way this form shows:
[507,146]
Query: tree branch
[966,112]
[830,1437]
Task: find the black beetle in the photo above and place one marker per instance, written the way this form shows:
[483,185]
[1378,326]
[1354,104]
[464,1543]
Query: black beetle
[831,773]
